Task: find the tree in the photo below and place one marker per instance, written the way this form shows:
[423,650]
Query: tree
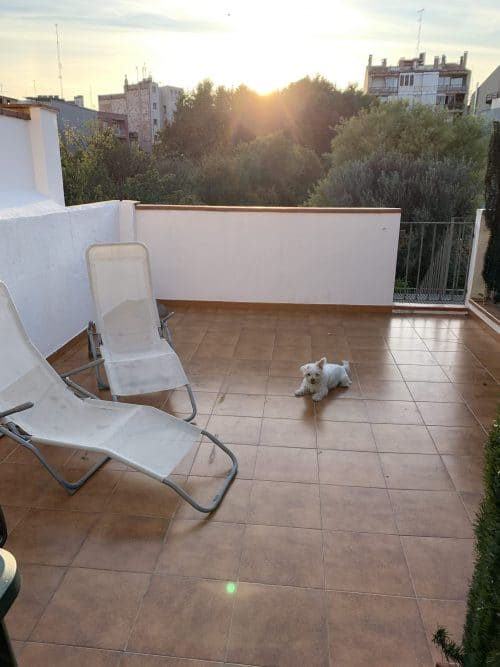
[491,270]
[426,188]
[96,168]
[480,645]
[268,171]
[420,130]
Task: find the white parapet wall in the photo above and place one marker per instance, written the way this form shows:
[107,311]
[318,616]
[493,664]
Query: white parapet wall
[265,255]
[43,265]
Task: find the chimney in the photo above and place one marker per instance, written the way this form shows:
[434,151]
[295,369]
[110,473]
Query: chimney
[466,53]
[462,61]
[78,100]
[384,62]
[436,62]
[125,83]
[421,58]
[401,62]
[370,57]
[443,59]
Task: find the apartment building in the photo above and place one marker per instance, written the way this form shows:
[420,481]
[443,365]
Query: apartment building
[147,105]
[440,84]
[485,100]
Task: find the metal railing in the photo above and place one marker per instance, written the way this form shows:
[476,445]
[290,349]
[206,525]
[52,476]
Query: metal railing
[433,262]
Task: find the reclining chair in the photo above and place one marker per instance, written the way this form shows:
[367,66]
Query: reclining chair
[37,406]
[127,332]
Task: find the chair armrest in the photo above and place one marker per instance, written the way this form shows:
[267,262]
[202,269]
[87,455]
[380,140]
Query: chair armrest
[80,369]
[17,408]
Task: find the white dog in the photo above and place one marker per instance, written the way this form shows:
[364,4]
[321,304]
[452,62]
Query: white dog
[319,377]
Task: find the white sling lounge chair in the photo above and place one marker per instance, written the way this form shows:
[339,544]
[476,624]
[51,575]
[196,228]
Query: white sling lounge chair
[39,407]
[127,332]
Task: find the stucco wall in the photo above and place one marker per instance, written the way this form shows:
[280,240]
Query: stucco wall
[296,256]
[43,265]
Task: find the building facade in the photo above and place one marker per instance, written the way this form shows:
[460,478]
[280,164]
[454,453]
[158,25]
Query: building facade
[147,106]
[485,100]
[441,84]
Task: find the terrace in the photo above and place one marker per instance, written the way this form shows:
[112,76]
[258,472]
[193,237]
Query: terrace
[347,535]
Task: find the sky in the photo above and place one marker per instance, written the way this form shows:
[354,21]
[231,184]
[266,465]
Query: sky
[265,44]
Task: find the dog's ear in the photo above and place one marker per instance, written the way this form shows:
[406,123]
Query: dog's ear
[303,369]
[322,362]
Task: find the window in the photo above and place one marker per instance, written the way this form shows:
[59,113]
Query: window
[155,121]
[164,108]
[154,105]
[406,80]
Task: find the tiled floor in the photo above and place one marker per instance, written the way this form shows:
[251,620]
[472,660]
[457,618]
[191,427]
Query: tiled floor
[346,538]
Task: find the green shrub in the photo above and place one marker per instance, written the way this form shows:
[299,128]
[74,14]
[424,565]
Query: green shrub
[480,645]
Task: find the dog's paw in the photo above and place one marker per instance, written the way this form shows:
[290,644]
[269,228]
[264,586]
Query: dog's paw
[318,397]
[300,392]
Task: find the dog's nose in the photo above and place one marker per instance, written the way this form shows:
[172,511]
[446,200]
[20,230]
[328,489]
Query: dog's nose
[313,380]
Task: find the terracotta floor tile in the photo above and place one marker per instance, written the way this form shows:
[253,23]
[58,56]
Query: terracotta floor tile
[440,567]
[446,414]
[253,351]
[444,345]
[387,391]
[53,655]
[285,504]
[472,502]
[141,660]
[366,563]
[282,556]
[208,383]
[184,617]
[7,446]
[403,439]
[245,384]
[379,372]
[139,495]
[13,487]
[250,366]
[208,366]
[407,344]
[289,407]
[430,513]
[290,338]
[13,516]
[292,352]
[285,369]
[445,613]
[279,626]
[356,508]
[468,374]
[56,456]
[438,392]
[179,401]
[218,350]
[345,410]
[238,430]
[244,405]
[419,357]
[202,549]
[117,542]
[227,337]
[233,508]
[380,631]
[39,582]
[211,461]
[415,373]
[367,342]
[393,412]
[94,496]
[286,464]
[50,537]
[83,609]
[350,468]
[415,471]
[288,433]
[458,440]
[371,356]
[456,358]
[345,435]
[466,472]
[282,386]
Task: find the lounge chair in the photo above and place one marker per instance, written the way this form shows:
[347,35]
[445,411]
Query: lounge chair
[39,407]
[127,332]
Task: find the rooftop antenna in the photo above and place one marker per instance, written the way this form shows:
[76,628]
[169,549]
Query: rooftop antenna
[59,64]
[144,72]
[419,12]
[137,74]
[34,87]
